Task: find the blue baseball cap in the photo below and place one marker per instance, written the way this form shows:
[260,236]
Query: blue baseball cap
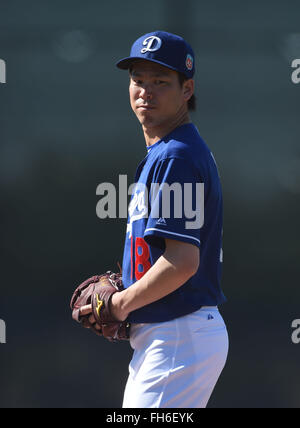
[164,48]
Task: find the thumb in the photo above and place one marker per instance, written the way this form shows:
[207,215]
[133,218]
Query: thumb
[84,310]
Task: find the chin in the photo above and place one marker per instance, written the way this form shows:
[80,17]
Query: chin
[146,120]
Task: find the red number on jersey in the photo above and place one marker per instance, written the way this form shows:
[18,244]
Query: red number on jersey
[142,254]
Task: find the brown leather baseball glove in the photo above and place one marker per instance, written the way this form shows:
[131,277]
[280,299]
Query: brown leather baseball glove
[97,292]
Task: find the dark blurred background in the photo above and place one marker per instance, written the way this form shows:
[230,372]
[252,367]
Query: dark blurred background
[66,126]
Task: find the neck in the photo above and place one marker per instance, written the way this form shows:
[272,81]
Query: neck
[154,134]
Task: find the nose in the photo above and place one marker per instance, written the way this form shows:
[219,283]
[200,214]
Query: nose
[146,93]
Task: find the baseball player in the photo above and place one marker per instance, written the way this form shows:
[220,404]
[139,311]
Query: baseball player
[172,259]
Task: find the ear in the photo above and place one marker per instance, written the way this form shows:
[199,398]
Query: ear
[188,89]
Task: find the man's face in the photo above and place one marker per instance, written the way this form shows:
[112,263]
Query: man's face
[156,96]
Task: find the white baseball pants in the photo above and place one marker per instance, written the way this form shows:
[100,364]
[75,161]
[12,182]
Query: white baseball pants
[176,364]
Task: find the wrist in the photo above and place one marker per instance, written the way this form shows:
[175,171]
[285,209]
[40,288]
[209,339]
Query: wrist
[117,306]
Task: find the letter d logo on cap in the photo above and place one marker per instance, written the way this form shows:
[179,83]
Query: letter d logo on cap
[149,42]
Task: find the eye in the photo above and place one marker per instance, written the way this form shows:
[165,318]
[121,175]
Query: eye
[160,82]
[137,81]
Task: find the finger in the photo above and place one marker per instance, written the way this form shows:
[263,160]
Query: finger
[84,310]
[92,319]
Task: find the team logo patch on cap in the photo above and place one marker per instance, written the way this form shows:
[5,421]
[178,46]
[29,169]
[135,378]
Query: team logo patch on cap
[152,44]
[189,62]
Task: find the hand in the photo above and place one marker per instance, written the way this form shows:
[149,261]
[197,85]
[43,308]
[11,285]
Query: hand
[115,309]
[85,310]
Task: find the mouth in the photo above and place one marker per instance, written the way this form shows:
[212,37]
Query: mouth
[145,107]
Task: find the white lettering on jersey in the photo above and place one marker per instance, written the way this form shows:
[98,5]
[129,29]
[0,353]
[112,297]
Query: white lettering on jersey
[138,207]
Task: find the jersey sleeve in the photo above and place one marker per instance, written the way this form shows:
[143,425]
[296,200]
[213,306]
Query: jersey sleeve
[176,203]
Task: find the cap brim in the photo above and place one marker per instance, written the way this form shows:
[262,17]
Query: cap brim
[125,63]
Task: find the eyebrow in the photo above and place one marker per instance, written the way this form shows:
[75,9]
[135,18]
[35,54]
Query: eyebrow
[154,74]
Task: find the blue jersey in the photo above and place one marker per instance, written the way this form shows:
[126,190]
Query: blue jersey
[177,195]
